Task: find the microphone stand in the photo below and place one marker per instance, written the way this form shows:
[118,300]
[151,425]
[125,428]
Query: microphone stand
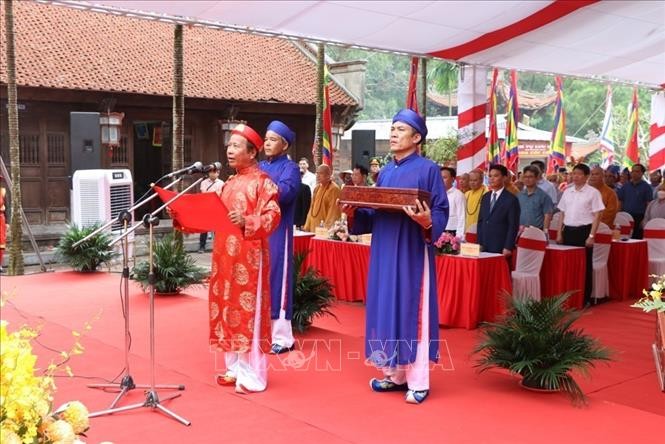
[127,382]
[152,399]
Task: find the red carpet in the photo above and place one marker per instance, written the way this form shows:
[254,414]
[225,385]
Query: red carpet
[321,394]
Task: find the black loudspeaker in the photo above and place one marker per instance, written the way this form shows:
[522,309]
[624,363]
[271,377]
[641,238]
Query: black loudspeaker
[84,141]
[363,143]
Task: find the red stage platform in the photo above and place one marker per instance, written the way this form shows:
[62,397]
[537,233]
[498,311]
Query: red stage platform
[321,394]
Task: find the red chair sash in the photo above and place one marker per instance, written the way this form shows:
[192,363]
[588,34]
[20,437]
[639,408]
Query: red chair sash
[553,233]
[654,234]
[626,229]
[471,237]
[603,238]
[531,244]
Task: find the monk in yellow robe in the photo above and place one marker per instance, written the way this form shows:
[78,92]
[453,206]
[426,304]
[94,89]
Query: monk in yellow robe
[473,197]
[324,203]
[609,196]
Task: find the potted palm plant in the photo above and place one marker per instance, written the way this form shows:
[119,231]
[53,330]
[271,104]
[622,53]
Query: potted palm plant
[536,340]
[312,295]
[87,256]
[174,269]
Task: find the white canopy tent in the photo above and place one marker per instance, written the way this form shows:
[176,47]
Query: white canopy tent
[607,40]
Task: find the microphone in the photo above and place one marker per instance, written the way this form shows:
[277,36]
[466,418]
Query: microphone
[193,168]
[213,166]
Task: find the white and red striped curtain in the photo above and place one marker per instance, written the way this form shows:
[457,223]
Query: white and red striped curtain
[657,132]
[472,109]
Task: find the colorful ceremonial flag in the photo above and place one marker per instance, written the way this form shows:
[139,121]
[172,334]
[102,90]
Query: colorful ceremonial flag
[557,157]
[606,142]
[493,147]
[326,145]
[657,132]
[411,94]
[510,144]
[632,155]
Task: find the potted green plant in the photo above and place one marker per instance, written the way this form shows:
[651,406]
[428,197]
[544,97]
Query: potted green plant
[174,269]
[312,295]
[536,340]
[87,256]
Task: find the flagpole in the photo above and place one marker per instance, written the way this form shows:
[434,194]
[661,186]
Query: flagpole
[318,127]
[423,92]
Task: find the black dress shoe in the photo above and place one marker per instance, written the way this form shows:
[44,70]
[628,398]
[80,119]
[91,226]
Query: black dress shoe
[277,349]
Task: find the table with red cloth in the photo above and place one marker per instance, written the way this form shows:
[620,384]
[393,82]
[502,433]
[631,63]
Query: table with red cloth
[470,288]
[301,241]
[628,269]
[564,270]
[345,264]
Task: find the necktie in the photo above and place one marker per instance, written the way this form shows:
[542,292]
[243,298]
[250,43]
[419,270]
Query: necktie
[493,201]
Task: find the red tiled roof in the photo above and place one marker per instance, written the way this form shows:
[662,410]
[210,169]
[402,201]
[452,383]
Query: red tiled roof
[526,99]
[65,48]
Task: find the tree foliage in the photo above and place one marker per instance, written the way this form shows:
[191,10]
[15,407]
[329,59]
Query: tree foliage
[444,149]
[387,80]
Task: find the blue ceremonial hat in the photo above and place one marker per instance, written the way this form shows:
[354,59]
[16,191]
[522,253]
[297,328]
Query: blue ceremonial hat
[280,128]
[413,119]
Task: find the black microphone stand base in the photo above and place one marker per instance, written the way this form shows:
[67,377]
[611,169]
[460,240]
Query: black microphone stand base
[124,386]
[151,401]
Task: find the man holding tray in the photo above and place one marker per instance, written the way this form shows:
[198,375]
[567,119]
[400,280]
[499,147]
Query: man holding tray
[402,328]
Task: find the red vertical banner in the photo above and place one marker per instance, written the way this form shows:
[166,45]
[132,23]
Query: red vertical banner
[411,94]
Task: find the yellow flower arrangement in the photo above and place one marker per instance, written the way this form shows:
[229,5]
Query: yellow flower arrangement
[76,414]
[60,431]
[26,397]
[653,297]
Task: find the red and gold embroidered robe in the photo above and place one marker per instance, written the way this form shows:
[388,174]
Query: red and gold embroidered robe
[239,264]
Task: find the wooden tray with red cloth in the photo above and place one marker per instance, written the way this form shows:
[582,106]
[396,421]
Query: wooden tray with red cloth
[383,198]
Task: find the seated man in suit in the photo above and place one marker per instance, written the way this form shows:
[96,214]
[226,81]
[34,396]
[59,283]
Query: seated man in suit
[499,217]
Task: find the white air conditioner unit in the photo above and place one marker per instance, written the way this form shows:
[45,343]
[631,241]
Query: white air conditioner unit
[98,196]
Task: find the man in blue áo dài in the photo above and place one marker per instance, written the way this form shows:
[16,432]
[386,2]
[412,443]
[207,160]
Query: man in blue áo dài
[402,328]
[286,174]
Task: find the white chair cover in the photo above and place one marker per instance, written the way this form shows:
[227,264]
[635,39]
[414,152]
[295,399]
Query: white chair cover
[530,255]
[625,222]
[654,233]
[601,253]
[554,226]
[471,234]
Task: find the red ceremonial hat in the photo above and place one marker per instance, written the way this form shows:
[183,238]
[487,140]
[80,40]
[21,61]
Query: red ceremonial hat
[249,134]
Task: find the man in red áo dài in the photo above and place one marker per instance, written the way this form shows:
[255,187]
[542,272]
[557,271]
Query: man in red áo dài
[239,295]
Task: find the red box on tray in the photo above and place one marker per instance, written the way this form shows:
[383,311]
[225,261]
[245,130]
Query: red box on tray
[382,198]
